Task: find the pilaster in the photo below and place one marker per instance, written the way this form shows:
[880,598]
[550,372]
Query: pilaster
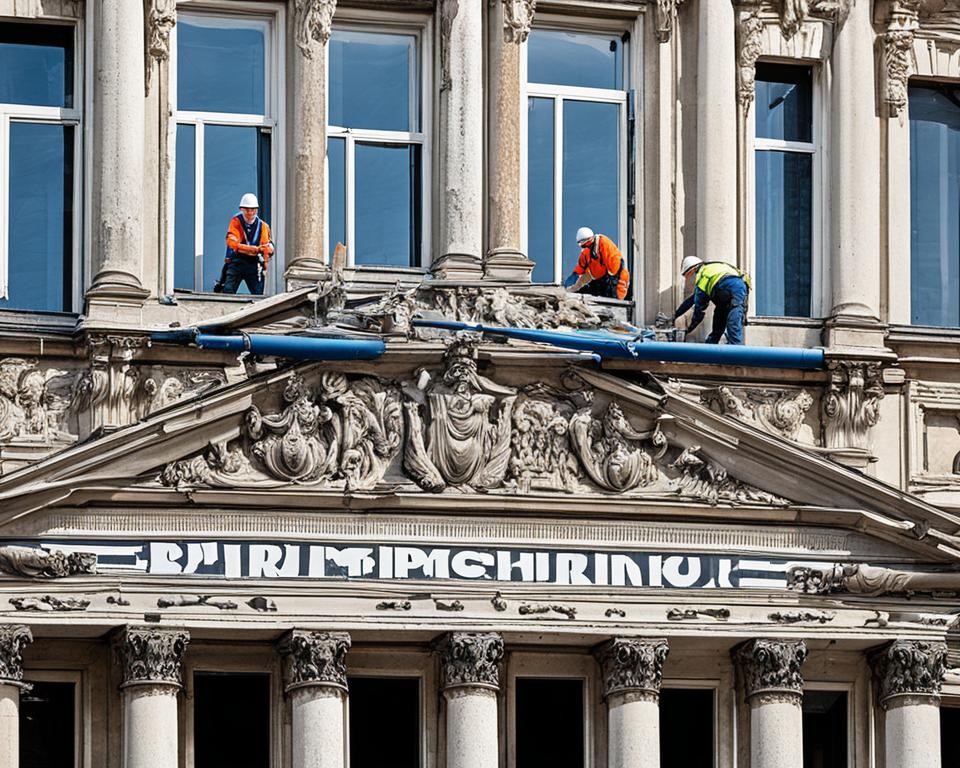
[13,639]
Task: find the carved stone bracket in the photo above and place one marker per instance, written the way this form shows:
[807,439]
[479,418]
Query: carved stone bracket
[851,404]
[152,656]
[771,668]
[749,48]
[909,668]
[666,18]
[870,580]
[471,660]
[632,665]
[313,24]
[896,53]
[161,17]
[13,639]
[517,19]
[315,658]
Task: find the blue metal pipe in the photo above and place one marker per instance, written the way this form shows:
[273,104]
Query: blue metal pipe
[292,347]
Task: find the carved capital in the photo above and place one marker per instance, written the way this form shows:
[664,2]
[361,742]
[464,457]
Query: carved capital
[313,23]
[896,53]
[665,19]
[152,656]
[471,659]
[771,667]
[749,48]
[851,403]
[517,19]
[13,639]
[315,658]
[912,668]
[632,665]
[161,17]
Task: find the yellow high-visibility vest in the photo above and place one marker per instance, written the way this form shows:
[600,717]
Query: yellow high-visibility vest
[712,272]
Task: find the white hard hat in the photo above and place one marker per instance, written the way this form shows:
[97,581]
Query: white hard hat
[690,262]
[249,200]
[584,233]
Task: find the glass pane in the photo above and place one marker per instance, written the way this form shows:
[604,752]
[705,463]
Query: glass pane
[225,734]
[784,103]
[686,728]
[549,723]
[47,721]
[337,192]
[393,703]
[220,64]
[185,208]
[572,58]
[935,205]
[540,181]
[229,170]
[36,64]
[784,233]
[40,240]
[949,728]
[591,174]
[372,80]
[387,219]
[825,729]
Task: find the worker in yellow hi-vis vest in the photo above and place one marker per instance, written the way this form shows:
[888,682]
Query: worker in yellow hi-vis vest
[727,287]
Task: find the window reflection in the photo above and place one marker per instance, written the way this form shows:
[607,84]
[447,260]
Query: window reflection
[185,198]
[36,64]
[575,59]
[784,102]
[387,205]
[540,202]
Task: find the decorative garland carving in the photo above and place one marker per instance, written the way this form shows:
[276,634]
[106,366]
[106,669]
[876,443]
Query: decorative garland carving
[869,580]
[749,48]
[313,23]
[517,19]
[161,18]
[471,659]
[666,17]
[36,563]
[778,412]
[896,53]
[152,656]
[910,668]
[771,667]
[315,658]
[13,639]
[851,403]
[632,665]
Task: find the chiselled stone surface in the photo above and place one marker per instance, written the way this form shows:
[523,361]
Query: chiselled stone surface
[632,665]
[771,667]
[13,639]
[851,403]
[471,659]
[779,412]
[859,578]
[151,655]
[315,658]
[910,668]
[36,563]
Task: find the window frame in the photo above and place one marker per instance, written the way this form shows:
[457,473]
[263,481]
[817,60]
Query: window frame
[274,95]
[73,117]
[76,677]
[421,26]
[850,688]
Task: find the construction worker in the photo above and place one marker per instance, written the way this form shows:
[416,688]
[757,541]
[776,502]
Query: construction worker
[249,248]
[723,284]
[600,270]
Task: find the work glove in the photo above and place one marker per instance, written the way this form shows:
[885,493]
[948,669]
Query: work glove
[571,281]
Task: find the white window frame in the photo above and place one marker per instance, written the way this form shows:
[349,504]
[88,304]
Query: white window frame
[81,724]
[25,113]
[272,15]
[420,114]
[561,93]
[818,204]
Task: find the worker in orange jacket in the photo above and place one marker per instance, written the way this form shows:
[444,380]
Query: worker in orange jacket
[600,270]
[249,247]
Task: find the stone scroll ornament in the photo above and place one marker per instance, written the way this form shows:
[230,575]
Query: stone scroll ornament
[471,659]
[869,580]
[13,639]
[909,670]
[36,563]
[771,669]
[315,658]
[152,656]
[633,666]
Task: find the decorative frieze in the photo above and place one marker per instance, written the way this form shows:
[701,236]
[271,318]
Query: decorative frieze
[771,669]
[873,581]
[779,412]
[632,665]
[36,563]
[161,17]
[851,403]
[315,658]
[909,668]
[13,639]
[470,659]
[152,656]
[517,19]
[313,22]
[749,47]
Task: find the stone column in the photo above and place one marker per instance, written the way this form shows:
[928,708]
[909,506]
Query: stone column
[716,132]
[118,167]
[316,682]
[509,26]
[460,141]
[151,681]
[908,675]
[471,679]
[13,639]
[312,24]
[632,670]
[770,670]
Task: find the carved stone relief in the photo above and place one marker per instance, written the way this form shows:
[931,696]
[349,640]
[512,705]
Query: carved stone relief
[35,402]
[152,656]
[49,603]
[632,665]
[778,412]
[666,17]
[909,668]
[313,22]
[771,668]
[36,563]
[517,19]
[792,15]
[471,659]
[851,404]
[870,580]
[749,48]
[896,53]
[13,639]
[161,17]
[315,658]
[448,10]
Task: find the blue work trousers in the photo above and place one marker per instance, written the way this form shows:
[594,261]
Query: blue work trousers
[245,269]
[729,297]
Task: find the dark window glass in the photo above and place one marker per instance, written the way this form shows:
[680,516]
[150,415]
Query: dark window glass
[949,741]
[577,59]
[231,720]
[372,80]
[220,65]
[935,205]
[390,706]
[825,729]
[387,218]
[47,721]
[784,227]
[784,102]
[40,238]
[686,728]
[36,64]
[185,206]
[540,188]
[337,192]
[549,723]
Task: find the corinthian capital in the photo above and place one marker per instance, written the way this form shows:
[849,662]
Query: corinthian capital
[315,658]
[152,656]
[632,665]
[771,669]
[909,669]
[472,659]
[13,639]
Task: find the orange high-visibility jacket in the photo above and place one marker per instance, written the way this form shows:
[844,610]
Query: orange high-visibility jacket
[237,239]
[602,257]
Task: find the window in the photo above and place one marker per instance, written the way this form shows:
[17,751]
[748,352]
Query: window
[225,124]
[39,147]
[218,720]
[686,728]
[393,704]
[376,145]
[785,153]
[549,723]
[935,204]
[825,740]
[576,145]
[48,724]
[949,727]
